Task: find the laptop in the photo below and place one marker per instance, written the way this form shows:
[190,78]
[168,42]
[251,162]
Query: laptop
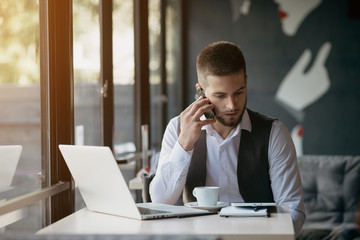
[104,190]
[9,158]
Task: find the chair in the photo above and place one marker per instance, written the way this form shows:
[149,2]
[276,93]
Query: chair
[331,187]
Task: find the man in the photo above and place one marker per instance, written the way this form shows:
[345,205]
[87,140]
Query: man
[250,156]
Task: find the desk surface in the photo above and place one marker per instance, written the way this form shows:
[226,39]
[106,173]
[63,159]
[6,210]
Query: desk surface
[278,226]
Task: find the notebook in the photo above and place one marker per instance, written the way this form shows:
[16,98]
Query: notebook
[103,187]
[248,209]
[233,211]
[9,158]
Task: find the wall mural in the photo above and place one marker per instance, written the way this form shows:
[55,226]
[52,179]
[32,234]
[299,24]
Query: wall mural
[293,12]
[288,61]
[299,88]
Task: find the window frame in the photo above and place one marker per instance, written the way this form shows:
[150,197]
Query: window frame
[106,71]
[57,103]
[142,85]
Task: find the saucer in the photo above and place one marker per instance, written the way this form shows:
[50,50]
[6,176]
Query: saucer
[218,206]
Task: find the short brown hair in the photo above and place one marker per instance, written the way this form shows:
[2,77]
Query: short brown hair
[219,59]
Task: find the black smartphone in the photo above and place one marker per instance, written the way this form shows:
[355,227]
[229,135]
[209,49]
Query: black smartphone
[210,113]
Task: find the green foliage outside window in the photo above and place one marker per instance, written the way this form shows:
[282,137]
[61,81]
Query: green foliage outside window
[19,44]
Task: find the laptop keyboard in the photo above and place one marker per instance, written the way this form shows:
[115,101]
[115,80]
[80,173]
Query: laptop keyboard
[148,211]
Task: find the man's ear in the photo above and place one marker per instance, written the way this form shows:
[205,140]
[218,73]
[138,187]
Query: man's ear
[246,79]
[197,85]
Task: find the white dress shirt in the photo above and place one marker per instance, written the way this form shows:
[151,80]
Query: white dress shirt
[221,167]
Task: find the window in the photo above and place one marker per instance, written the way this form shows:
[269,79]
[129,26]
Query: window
[156,61]
[124,79]
[53,86]
[20,118]
[87,87]
[174,58]
[166,78]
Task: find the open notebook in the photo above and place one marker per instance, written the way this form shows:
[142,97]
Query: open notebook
[104,189]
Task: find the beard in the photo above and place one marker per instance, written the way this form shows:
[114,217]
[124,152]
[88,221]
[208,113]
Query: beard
[232,122]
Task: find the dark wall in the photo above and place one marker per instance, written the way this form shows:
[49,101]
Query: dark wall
[331,123]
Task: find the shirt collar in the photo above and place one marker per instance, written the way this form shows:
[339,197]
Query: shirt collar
[245,122]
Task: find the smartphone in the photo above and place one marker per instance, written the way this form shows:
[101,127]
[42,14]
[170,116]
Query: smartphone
[210,113]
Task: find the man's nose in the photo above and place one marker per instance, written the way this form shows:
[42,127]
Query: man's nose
[230,103]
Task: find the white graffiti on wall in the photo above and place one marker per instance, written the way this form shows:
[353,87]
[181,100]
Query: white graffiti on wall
[299,88]
[293,12]
[239,7]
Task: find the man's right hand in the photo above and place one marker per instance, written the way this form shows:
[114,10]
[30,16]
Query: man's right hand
[190,123]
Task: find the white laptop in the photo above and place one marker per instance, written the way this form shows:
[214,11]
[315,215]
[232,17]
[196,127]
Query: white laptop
[104,189]
[9,158]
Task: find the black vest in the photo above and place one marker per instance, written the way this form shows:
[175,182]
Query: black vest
[252,168]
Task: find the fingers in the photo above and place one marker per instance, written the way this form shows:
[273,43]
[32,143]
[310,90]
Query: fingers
[199,107]
[323,54]
[207,121]
[190,106]
[195,110]
[190,123]
[302,62]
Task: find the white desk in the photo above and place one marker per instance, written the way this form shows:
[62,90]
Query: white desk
[278,226]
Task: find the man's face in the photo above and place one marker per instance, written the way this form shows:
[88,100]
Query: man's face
[228,94]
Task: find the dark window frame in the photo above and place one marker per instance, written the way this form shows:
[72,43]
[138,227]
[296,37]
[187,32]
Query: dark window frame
[57,102]
[106,71]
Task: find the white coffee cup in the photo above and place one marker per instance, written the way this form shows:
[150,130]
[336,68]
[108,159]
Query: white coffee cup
[206,196]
